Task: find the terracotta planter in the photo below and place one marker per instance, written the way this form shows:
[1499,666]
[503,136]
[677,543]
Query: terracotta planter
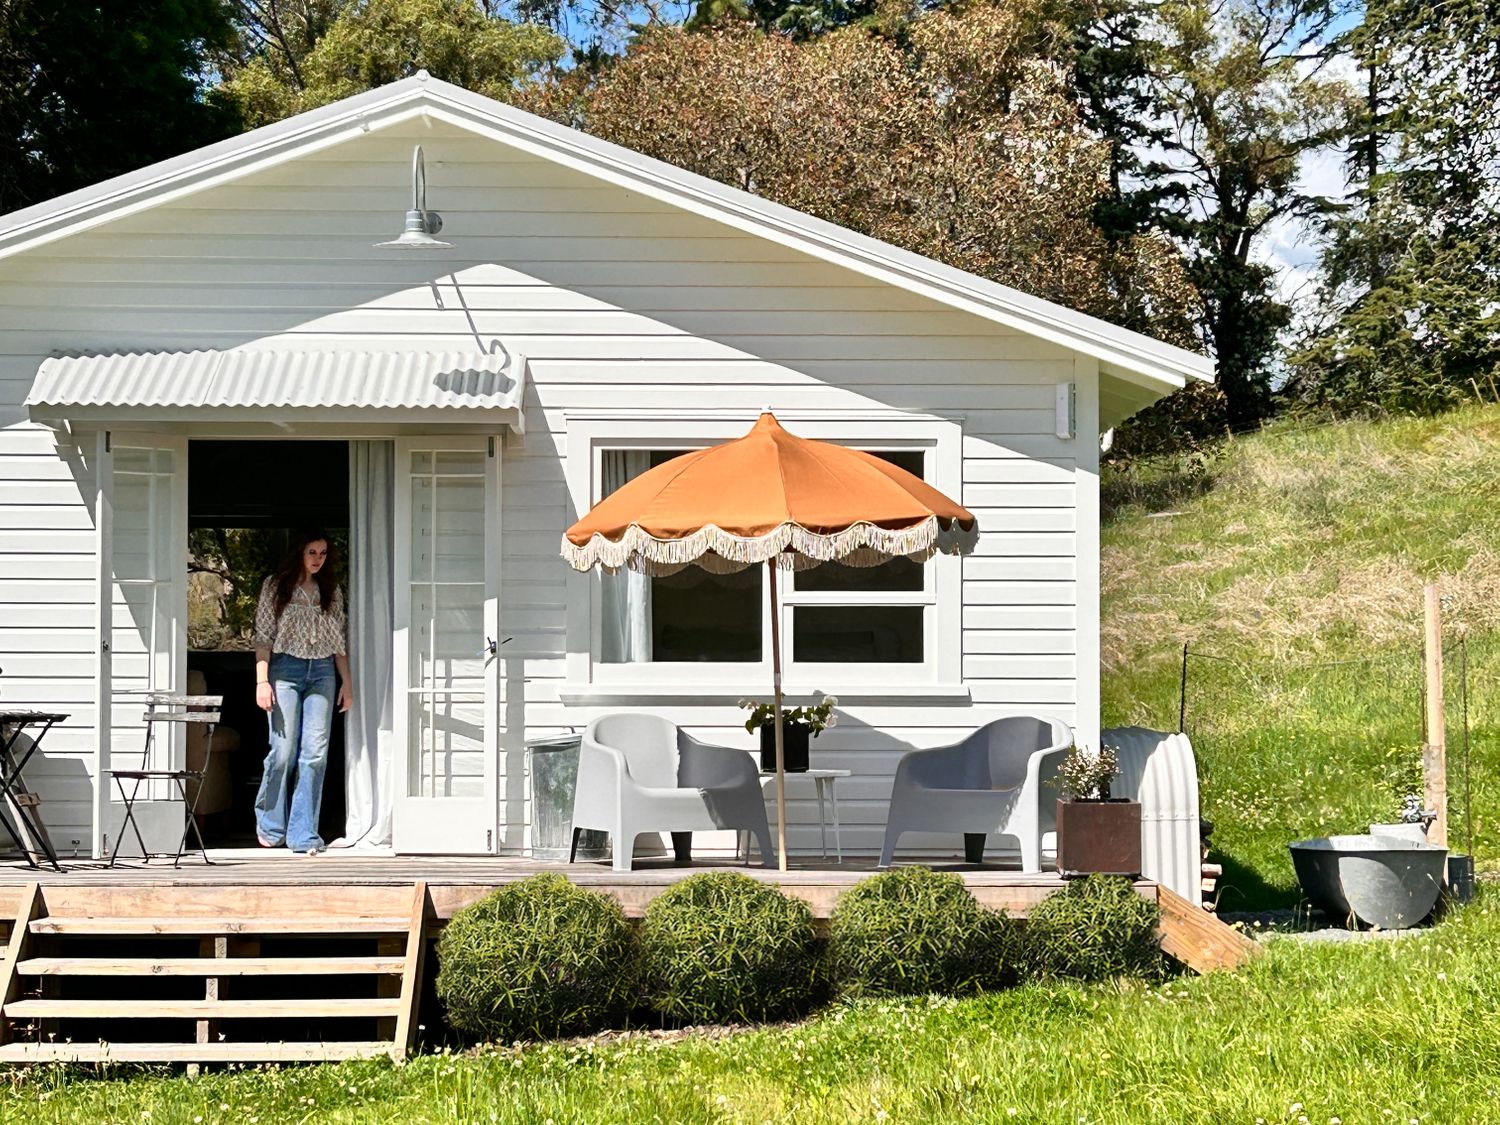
[794,739]
[1099,837]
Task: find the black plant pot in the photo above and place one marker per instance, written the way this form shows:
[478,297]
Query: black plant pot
[794,739]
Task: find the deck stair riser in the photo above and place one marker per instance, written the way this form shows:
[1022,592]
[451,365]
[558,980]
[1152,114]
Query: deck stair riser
[206,967]
[83,966]
[258,927]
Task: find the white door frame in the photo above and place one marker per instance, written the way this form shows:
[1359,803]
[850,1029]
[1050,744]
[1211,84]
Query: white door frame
[446,825]
[167,646]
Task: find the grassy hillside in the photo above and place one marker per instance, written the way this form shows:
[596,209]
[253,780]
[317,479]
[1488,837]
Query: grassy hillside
[1293,560]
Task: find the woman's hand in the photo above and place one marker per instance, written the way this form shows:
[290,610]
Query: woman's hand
[265,698]
[346,697]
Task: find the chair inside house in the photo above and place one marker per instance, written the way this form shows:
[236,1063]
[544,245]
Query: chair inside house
[640,773]
[988,783]
[164,708]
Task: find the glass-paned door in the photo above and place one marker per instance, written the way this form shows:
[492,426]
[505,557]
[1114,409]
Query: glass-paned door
[141,518]
[447,614]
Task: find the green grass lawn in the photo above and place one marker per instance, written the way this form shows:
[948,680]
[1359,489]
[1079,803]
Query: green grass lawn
[1383,1031]
[1289,552]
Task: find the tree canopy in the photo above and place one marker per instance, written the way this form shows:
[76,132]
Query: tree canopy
[319,51]
[962,142]
[1135,159]
[1411,278]
[88,91]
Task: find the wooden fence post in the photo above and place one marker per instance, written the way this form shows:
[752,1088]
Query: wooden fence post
[1434,751]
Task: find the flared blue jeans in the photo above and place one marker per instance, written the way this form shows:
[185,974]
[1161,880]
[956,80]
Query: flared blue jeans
[291,791]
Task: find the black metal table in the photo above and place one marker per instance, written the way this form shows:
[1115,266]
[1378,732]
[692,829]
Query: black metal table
[14,795]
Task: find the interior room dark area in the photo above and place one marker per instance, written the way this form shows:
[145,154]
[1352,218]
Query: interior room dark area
[246,500]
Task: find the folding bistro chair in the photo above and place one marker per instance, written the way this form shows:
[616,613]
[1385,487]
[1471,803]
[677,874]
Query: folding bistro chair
[164,707]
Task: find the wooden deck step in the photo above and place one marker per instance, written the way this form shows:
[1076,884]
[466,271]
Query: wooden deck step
[203,1009]
[146,927]
[208,966]
[190,1052]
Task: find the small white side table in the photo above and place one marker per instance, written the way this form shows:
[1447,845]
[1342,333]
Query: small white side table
[823,780]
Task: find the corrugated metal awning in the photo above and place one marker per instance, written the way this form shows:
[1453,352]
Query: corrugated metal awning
[274,386]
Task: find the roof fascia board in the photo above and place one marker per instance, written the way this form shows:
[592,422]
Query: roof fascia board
[1169,366]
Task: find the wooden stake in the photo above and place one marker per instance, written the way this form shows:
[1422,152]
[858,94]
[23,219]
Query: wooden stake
[1435,750]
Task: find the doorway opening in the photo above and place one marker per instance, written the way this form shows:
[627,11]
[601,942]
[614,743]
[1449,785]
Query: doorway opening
[246,499]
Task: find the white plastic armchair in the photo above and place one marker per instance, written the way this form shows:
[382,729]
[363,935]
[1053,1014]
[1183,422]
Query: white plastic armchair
[991,782]
[640,773]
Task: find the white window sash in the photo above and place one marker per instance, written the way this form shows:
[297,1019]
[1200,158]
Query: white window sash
[590,434]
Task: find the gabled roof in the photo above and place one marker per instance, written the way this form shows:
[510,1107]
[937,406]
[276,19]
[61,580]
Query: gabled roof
[1148,362]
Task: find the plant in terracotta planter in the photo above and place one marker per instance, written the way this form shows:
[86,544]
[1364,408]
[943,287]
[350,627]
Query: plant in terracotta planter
[1096,833]
[798,726]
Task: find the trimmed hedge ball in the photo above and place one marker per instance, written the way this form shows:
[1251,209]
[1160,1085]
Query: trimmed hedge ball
[1096,928]
[537,958]
[915,931]
[725,948]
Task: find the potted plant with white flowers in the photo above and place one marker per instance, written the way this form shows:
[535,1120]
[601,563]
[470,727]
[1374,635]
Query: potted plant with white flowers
[799,725]
[1096,833]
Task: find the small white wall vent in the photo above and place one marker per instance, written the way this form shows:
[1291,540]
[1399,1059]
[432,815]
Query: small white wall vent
[1067,410]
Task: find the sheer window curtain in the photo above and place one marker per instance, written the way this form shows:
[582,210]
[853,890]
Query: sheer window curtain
[625,600]
[369,775]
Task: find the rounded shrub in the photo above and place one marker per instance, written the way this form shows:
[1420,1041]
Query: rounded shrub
[537,958]
[914,931]
[724,948]
[1094,929]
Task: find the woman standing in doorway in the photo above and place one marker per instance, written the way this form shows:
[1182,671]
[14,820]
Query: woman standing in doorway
[299,646]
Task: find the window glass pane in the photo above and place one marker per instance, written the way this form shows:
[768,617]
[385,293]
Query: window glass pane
[833,577]
[692,616]
[897,575]
[885,634]
[914,461]
[698,616]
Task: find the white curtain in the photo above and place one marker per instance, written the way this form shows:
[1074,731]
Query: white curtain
[625,602]
[371,742]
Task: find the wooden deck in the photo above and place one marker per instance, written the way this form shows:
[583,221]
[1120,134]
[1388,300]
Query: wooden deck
[455,881]
[249,885]
[76,938]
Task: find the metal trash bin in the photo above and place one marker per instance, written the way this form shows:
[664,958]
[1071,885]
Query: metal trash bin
[554,776]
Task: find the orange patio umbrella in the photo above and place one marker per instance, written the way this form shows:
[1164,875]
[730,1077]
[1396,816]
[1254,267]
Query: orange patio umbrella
[769,497]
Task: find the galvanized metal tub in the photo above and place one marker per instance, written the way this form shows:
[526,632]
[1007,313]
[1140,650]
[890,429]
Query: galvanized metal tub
[1383,881]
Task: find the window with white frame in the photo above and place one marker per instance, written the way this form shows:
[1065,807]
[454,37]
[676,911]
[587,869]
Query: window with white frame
[839,614]
[841,624]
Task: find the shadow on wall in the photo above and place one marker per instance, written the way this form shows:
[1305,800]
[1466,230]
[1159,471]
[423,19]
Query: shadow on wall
[68,808]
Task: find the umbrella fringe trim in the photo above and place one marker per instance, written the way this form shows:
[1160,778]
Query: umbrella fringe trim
[794,546]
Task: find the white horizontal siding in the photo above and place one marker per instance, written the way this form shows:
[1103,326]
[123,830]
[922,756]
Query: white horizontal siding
[618,302]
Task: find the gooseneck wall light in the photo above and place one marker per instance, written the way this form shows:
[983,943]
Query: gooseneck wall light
[421,224]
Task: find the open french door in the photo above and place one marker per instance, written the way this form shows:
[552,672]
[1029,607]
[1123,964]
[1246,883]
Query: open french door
[447,578]
[141,523]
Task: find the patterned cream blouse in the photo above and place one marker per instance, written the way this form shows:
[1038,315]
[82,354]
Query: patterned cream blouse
[304,630]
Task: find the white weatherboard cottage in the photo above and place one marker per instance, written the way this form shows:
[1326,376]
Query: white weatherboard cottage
[596,310]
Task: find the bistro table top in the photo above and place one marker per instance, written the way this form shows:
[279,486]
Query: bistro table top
[816,775]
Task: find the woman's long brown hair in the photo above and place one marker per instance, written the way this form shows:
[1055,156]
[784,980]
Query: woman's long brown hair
[289,573]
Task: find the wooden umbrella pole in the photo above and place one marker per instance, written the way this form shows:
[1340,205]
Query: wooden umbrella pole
[776,695]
